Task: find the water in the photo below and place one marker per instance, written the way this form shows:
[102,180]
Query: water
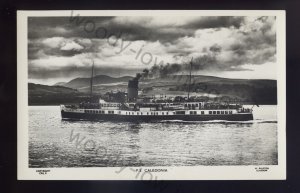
[53,143]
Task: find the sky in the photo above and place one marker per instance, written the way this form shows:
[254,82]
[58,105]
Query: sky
[63,48]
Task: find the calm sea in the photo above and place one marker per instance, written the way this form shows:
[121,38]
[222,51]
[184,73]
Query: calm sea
[57,143]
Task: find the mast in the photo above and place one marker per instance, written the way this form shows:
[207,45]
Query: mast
[91,86]
[190,79]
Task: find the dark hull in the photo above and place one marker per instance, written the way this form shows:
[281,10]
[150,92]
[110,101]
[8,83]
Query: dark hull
[134,118]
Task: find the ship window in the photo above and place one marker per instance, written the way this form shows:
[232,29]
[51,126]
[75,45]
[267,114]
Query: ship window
[210,112]
[141,113]
[126,113]
[202,112]
[226,112]
[180,112]
[138,113]
[218,112]
[214,112]
[167,113]
[230,112]
[196,105]
[147,113]
[222,112]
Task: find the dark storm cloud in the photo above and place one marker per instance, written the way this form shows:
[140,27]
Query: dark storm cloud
[169,33]
[43,27]
[86,27]
[216,22]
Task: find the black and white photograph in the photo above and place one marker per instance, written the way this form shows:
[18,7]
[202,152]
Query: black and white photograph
[142,95]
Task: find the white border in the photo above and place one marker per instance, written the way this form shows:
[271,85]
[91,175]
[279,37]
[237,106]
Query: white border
[276,172]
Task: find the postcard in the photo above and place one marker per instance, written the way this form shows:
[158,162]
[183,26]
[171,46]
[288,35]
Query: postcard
[151,95]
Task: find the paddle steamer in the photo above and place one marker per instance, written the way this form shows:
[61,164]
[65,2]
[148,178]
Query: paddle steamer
[135,108]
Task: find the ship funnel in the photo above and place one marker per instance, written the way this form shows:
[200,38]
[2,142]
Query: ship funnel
[132,89]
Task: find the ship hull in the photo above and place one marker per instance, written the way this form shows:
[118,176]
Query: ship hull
[149,118]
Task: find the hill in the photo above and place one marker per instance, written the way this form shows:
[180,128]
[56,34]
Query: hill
[39,94]
[36,89]
[99,79]
[59,84]
[247,90]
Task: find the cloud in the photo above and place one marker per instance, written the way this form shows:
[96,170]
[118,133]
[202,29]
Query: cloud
[53,42]
[163,28]
[72,46]
[215,43]
[216,22]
